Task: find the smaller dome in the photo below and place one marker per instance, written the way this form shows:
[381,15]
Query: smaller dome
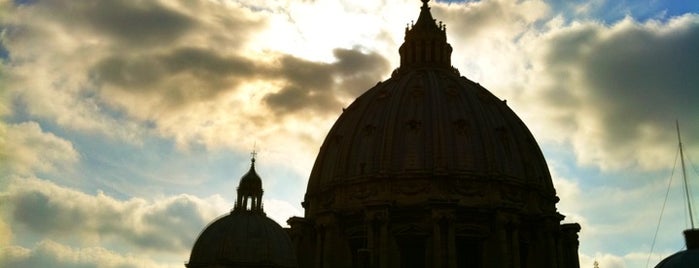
[243,239]
[250,183]
[686,258]
[250,190]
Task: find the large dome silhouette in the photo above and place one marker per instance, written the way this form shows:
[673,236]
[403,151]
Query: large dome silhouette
[428,123]
[430,169]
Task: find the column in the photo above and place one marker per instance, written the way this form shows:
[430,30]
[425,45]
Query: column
[377,220]
[443,234]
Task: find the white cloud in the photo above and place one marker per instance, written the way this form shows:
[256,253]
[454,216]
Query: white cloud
[49,253]
[168,224]
[633,259]
[105,228]
[26,149]
[280,210]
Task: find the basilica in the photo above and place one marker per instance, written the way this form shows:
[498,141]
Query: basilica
[425,169]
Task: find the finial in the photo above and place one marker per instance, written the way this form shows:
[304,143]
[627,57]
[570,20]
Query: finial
[424,3]
[254,153]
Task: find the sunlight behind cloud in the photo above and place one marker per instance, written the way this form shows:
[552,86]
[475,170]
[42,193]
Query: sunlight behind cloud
[82,80]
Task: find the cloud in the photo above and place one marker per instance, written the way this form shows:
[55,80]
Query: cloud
[615,91]
[168,224]
[489,20]
[49,253]
[26,149]
[189,71]
[319,86]
[611,91]
[130,22]
[280,210]
[60,52]
[198,72]
[149,85]
[619,220]
[6,234]
[633,259]
[603,260]
[104,227]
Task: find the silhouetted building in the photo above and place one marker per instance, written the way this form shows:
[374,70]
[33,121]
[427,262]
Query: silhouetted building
[425,169]
[686,258]
[430,169]
[245,238]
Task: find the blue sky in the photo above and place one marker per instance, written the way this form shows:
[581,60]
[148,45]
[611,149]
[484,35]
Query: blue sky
[127,124]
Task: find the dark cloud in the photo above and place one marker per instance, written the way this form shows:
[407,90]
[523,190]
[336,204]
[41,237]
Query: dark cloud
[174,79]
[128,22]
[353,61]
[34,208]
[207,63]
[294,98]
[627,84]
[641,78]
[300,71]
[181,213]
[133,24]
[359,71]
[319,86]
[307,85]
[129,73]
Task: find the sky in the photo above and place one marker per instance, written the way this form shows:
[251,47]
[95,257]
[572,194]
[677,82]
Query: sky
[126,124]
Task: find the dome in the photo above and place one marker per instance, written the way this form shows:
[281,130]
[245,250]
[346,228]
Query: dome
[246,237]
[430,169]
[686,258]
[250,183]
[427,122]
[243,239]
